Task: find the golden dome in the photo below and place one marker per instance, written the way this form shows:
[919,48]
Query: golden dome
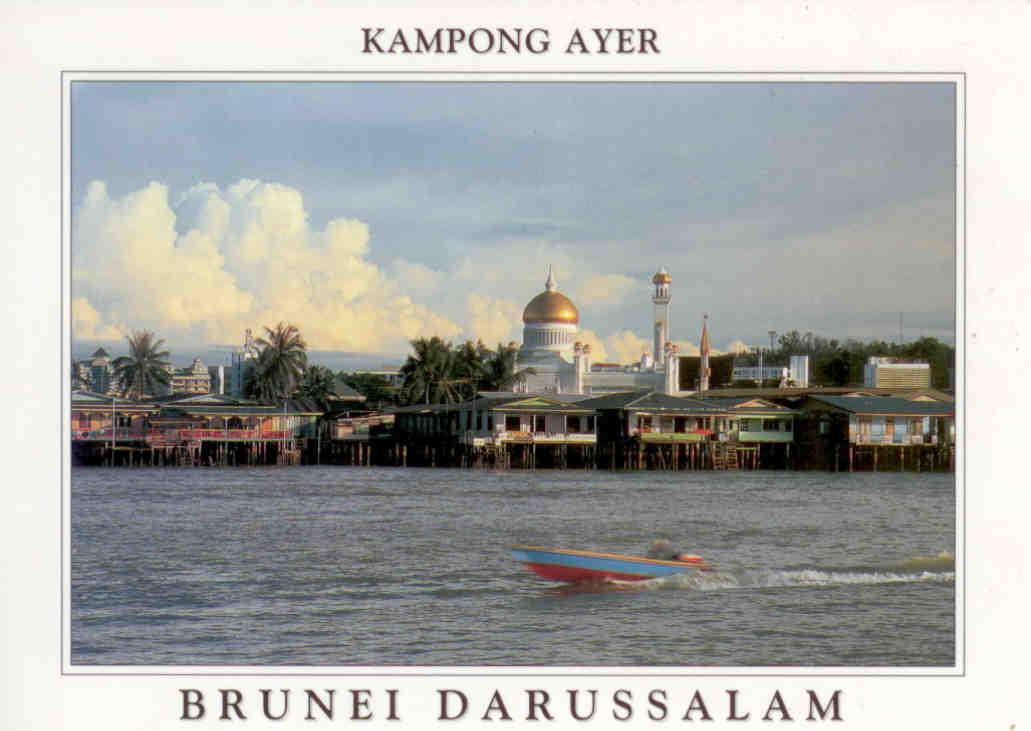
[662,277]
[551,306]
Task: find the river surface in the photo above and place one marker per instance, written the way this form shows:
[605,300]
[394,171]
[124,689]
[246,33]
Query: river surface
[351,566]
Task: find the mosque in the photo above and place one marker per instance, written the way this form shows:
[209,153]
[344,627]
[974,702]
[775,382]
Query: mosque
[561,364]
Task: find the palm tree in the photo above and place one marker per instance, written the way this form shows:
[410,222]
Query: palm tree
[77,380]
[281,361]
[430,373]
[317,383]
[145,368]
[500,369]
[470,367]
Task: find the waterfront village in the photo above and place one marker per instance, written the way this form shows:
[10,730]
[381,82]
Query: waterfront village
[544,404]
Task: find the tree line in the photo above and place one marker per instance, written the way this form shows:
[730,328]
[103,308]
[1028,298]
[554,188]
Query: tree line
[836,363]
[436,371]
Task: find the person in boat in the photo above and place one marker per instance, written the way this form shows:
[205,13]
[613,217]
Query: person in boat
[663,549]
[666,551]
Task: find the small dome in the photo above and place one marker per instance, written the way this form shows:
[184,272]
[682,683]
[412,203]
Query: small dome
[551,306]
[662,277]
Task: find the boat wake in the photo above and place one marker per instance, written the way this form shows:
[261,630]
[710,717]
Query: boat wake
[938,569]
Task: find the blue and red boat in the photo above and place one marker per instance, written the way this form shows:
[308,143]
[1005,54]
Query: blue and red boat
[574,567]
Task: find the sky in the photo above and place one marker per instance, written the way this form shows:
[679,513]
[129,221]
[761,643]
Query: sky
[368,214]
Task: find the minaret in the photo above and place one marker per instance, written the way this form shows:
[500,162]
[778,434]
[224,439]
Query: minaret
[703,369]
[579,367]
[672,367]
[660,333]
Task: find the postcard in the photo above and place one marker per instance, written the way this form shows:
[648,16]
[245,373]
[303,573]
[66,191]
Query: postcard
[505,371]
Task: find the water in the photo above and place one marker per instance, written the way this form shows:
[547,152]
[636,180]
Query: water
[350,566]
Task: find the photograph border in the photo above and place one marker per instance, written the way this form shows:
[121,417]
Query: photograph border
[958,79]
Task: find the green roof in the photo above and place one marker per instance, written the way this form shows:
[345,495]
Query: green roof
[213,403]
[655,401]
[343,391]
[614,400]
[744,405]
[887,405]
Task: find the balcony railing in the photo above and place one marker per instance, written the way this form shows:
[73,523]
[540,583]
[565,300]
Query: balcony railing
[888,439]
[653,436]
[526,437]
[182,435]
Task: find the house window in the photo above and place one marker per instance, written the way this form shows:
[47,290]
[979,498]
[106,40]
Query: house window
[539,423]
[644,423]
[824,427]
[573,424]
[512,423]
[589,427]
[479,421]
[751,425]
[771,425]
[490,421]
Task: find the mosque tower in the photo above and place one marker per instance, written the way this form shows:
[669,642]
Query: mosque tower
[660,334]
[703,368]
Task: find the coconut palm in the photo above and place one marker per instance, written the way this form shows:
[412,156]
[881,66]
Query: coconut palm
[145,368]
[430,373]
[317,383]
[77,379]
[501,371]
[282,358]
[470,367]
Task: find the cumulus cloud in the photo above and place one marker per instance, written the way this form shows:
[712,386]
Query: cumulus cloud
[492,320]
[600,290]
[599,354]
[626,347]
[737,347]
[218,262]
[417,279]
[211,262]
[689,348]
[88,324]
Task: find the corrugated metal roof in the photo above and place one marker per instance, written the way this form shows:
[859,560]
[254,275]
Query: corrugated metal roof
[83,399]
[737,404]
[613,400]
[887,405]
[343,391]
[656,401]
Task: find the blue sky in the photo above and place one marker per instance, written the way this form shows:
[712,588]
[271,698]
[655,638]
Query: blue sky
[823,206]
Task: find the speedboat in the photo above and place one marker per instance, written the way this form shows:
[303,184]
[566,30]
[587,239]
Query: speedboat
[573,566]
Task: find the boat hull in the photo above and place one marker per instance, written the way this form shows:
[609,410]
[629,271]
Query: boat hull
[574,567]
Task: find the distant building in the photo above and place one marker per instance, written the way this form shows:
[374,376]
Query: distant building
[561,364]
[217,374]
[766,373]
[193,380]
[240,361]
[798,371]
[101,373]
[392,376]
[883,372]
